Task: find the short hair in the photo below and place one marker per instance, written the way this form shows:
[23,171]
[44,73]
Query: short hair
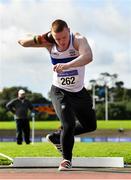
[58,25]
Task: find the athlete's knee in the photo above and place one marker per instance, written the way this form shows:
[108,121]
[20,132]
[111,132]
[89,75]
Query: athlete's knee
[91,128]
[94,127]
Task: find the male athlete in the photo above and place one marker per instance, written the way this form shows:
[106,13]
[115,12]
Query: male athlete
[73,105]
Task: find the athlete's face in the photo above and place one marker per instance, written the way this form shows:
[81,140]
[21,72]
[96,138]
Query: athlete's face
[62,38]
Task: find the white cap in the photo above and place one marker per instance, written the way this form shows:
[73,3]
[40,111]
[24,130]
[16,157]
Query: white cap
[21,91]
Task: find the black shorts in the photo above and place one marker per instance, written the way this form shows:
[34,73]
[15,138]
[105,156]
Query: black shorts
[72,107]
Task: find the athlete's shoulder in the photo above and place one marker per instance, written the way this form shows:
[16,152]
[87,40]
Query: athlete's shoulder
[79,36]
[79,39]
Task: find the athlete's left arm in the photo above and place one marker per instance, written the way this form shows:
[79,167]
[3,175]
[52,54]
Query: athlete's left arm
[85,53]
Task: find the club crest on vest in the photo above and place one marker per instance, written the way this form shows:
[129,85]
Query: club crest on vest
[72,52]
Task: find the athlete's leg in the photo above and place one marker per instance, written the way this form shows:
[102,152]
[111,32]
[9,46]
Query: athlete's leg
[65,114]
[84,112]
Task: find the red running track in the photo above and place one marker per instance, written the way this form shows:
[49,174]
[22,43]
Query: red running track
[75,173]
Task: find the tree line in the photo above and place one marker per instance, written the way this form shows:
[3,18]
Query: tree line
[107,89]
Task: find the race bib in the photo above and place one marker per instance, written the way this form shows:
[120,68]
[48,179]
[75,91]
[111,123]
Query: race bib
[68,78]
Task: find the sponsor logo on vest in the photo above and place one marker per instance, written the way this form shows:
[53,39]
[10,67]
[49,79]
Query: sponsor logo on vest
[68,73]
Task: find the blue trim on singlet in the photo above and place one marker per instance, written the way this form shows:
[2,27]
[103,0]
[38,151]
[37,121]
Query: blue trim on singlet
[64,60]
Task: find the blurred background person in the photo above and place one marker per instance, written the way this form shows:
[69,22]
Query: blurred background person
[20,107]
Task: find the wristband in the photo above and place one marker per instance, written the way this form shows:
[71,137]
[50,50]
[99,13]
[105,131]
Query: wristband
[35,41]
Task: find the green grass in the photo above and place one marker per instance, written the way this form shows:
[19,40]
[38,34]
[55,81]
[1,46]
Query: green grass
[126,124]
[95,149]
[38,125]
[114,124]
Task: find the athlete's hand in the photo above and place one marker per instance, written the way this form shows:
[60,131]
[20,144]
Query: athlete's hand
[60,67]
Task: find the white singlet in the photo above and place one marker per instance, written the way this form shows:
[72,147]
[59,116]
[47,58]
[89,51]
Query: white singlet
[72,79]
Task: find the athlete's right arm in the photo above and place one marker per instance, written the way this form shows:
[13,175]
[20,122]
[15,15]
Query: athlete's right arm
[37,41]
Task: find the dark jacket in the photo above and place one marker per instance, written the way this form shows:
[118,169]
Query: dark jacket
[19,108]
